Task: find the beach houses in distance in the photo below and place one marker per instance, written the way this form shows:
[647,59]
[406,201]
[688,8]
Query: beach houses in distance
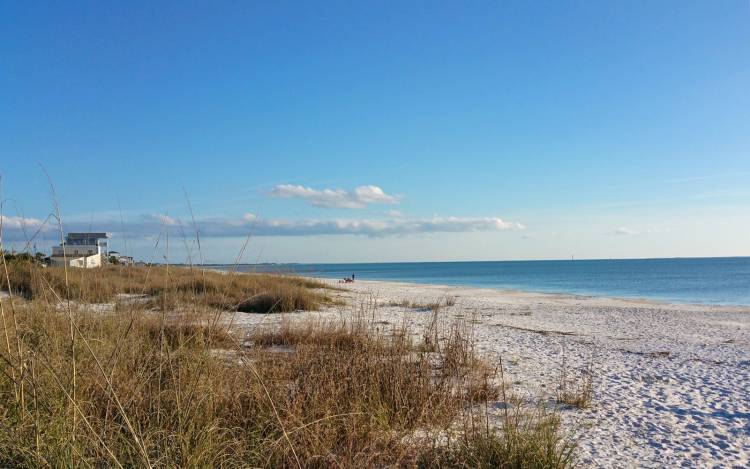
[85,250]
[119,259]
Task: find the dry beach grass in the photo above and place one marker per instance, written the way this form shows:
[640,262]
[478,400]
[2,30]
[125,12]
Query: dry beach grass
[160,378]
[249,293]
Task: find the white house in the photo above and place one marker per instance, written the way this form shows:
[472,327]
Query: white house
[85,250]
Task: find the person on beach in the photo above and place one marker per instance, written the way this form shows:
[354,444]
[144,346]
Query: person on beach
[347,279]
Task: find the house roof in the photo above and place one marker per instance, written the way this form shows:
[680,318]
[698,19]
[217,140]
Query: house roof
[88,235]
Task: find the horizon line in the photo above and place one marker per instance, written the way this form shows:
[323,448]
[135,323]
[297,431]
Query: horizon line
[475,261]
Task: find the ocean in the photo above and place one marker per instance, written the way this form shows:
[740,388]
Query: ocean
[721,280]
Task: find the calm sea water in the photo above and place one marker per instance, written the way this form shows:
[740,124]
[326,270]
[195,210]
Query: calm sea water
[723,280]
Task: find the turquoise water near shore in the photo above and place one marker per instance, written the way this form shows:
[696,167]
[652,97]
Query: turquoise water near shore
[724,280]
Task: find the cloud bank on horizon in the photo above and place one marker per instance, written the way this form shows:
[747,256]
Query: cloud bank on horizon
[250,224]
[393,223]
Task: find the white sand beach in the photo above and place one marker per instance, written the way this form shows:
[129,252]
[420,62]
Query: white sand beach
[671,382]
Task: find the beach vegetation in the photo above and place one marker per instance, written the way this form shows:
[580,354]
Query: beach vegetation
[172,381]
[169,287]
[575,387]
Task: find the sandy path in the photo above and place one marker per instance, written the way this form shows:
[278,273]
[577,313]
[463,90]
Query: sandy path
[672,382]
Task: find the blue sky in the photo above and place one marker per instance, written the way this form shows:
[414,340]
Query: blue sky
[473,130]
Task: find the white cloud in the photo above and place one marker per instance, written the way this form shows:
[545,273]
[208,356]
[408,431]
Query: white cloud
[625,231]
[373,195]
[165,220]
[17,223]
[335,198]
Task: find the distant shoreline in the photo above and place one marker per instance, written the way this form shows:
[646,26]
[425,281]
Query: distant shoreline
[723,282]
[543,295]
